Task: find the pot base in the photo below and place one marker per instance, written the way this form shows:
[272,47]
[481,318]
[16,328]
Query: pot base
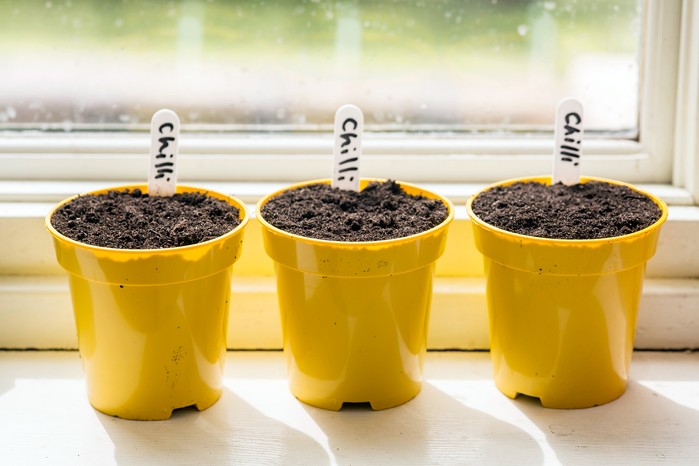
[561,401]
[376,404]
[155,413]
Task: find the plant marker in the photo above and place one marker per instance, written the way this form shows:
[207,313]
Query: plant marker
[568,135]
[348,129]
[164,139]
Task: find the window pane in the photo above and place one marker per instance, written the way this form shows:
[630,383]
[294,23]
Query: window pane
[480,66]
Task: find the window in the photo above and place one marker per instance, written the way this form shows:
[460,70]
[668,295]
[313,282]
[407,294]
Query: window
[452,91]
[256,84]
[476,66]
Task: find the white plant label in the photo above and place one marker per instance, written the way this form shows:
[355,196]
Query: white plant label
[568,142]
[164,139]
[348,129]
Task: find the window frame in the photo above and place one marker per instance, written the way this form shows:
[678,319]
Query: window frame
[416,157]
[37,170]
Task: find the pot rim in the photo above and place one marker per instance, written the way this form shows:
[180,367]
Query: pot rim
[243,215]
[561,241]
[364,181]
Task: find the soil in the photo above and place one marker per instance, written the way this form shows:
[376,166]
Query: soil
[381,211]
[582,211]
[133,220]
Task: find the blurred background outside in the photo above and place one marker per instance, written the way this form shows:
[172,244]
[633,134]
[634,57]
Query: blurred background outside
[482,68]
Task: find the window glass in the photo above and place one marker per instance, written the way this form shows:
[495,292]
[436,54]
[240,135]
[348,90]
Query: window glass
[479,66]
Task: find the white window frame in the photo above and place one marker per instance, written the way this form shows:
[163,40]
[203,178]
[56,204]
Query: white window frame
[39,169]
[404,156]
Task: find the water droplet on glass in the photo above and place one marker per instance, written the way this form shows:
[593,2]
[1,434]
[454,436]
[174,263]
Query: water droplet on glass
[522,30]
[550,6]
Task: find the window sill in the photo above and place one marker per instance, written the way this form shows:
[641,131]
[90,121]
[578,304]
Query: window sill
[34,288]
[458,418]
[458,319]
[275,157]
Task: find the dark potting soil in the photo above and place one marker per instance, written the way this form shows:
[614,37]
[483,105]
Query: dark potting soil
[582,211]
[380,211]
[133,220]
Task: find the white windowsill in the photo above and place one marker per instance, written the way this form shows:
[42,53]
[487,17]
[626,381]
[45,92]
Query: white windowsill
[32,285]
[458,418]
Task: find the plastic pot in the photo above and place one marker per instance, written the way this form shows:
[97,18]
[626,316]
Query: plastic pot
[354,314]
[562,313]
[151,323]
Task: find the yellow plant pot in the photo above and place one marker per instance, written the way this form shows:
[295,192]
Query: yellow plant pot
[151,323]
[562,313]
[354,314]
